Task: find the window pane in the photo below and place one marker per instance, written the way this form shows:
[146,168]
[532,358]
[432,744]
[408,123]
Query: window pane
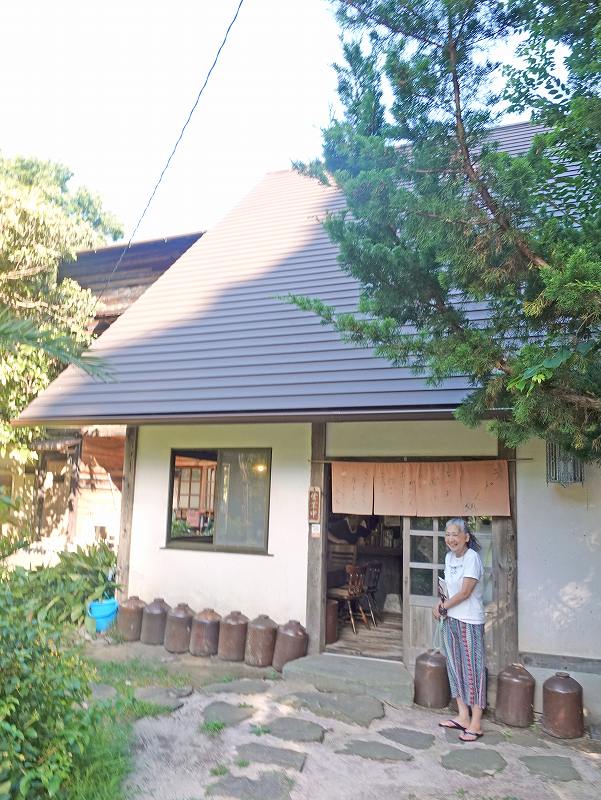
[422,523]
[442,550]
[243,478]
[421,582]
[421,549]
[187,520]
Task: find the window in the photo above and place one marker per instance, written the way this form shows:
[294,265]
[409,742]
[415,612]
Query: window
[219,499]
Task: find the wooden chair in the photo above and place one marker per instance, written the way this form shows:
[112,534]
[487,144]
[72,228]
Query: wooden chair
[339,555]
[353,592]
[372,579]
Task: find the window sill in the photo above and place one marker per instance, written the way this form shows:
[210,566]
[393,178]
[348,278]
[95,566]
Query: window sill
[209,548]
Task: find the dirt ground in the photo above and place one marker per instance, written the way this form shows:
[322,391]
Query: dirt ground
[220,743]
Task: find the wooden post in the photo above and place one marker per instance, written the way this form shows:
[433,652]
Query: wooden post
[127,507]
[316,567]
[504,529]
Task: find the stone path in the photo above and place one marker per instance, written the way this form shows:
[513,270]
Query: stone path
[284,740]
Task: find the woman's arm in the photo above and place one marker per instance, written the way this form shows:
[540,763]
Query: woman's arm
[467,587]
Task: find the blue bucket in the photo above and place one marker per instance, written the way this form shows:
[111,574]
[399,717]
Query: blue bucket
[104,612]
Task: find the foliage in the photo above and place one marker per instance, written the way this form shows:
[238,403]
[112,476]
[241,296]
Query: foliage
[212,728]
[471,261]
[99,772]
[136,672]
[43,322]
[60,594]
[42,722]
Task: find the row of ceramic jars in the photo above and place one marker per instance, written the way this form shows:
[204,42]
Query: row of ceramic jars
[259,643]
[562,696]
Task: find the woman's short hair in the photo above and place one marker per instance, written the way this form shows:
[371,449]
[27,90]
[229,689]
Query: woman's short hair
[459,522]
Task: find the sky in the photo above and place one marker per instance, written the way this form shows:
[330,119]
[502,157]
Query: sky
[105,88]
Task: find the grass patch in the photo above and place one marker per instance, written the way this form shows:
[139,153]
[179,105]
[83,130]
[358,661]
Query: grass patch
[212,728]
[259,730]
[273,675]
[218,770]
[99,772]
[137,672]
[242,762]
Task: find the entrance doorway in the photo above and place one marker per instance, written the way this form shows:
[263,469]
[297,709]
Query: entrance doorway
[411,552]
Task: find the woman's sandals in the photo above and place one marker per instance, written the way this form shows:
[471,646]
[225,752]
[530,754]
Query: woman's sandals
[452,724]
[473,736]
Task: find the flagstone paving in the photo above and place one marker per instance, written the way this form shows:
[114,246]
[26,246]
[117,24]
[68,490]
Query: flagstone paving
[476,762]
[296,730]
[343,746]
[269,786]
[556,768]
[415,739]
[279,756]
[358,709]
[374,750]
[227,713]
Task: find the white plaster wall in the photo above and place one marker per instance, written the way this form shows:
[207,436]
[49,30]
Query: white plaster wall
[408,438]
[559,560]
[275,584]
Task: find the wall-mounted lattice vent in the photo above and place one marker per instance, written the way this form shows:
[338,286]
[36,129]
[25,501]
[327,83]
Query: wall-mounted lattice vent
[563,467]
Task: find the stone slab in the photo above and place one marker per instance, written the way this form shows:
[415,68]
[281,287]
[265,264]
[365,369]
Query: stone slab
[293,729]
[279,756]
[160,696]
[389,681]
[268,786]
[227,713]
[350,708]
[376,751]
[243,686]
[555,768]
[525,738]
[490,737]
[476,762]
[102,692]
[410,738]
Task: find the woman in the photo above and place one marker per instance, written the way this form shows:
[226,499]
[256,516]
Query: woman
[463,629]
[351,529]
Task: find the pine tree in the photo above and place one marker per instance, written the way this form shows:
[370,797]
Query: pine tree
[473,262]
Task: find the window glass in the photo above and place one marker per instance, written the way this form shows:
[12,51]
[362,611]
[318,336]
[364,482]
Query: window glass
[190,518]
[221,498]
[421,581]
[243,498]
[421,549]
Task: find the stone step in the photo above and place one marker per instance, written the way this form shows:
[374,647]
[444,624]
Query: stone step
[389,681]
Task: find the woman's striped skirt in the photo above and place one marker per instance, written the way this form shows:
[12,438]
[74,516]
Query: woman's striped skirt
[464,649]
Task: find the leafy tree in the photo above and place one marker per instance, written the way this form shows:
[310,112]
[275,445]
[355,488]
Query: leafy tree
[43,323]
[473,262]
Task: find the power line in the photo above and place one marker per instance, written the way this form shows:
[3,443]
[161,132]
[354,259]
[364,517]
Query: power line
[171,154]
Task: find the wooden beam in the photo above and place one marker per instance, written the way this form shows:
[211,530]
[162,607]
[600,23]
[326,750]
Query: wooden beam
[504,649]
[316,567]
[127,508]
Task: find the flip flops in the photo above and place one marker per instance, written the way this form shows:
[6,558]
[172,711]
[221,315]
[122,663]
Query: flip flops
[472,734]
[452,725]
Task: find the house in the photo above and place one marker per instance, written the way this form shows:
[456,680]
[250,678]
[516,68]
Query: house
[73,494]
[240,408]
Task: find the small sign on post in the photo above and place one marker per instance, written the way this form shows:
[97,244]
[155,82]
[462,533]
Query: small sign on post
[314,504]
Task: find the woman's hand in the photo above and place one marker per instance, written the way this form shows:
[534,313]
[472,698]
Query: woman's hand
[436,612]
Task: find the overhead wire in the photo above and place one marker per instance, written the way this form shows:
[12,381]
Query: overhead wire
[171,154]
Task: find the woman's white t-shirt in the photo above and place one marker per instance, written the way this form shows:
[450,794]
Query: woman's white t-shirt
[469,565]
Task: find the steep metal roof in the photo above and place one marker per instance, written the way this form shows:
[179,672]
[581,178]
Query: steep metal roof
[212,339]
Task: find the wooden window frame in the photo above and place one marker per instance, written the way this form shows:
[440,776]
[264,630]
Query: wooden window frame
[189,542]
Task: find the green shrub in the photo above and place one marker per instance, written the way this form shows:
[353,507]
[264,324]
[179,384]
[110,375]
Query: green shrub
[60,594]
[42,722]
